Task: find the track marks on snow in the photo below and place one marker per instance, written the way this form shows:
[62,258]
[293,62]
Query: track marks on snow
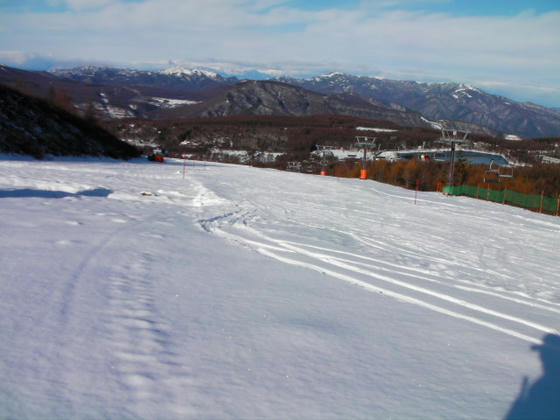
[351,266]
[421,287]
[142,355]
[403,297]
[144,359]
[378,264]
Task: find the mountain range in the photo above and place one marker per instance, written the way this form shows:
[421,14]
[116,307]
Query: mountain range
[176,78]
[182,93]
[452,101]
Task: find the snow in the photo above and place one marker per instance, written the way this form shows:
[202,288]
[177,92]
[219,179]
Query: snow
[463,91]
[104,98]
[181,71]
[377,130]
[512,137]
[433,124]
[141,142]
[343,154]
[243,155]
[171,103]
[328,76]
[471,88]
[117,112]
[130,291]
[112,111]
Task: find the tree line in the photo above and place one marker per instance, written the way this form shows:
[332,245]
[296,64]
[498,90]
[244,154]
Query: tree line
[432,175]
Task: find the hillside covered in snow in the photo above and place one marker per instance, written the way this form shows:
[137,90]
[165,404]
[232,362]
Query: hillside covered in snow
[145,290]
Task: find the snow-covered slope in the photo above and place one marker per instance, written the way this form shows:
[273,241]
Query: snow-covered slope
[129,291]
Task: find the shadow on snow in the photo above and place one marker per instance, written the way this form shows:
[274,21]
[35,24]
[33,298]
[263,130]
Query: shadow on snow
[541,400]
[29,192]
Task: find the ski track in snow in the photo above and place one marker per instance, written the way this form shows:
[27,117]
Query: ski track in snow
[143,355]
[323,267]
[449,298]
[144,358]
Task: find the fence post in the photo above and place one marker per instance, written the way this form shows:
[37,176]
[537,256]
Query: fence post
[505,194]
[558,207]
[487,192]
[477,190]
[416,192]
[542,198]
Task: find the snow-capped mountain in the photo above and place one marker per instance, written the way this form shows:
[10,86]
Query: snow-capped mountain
[191,73]
[172,78]
[454,101]
[133,92]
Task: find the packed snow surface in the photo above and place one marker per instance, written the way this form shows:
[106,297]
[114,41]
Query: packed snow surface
[171,103]
[147,290]
[377,130]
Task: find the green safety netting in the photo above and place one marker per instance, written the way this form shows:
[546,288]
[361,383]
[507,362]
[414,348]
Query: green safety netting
[531,201]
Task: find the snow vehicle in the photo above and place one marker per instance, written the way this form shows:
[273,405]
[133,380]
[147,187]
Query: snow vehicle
[156,156]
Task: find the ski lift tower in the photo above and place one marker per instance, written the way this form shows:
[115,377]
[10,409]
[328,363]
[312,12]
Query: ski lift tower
[452,137]
[365,143]
[324,151]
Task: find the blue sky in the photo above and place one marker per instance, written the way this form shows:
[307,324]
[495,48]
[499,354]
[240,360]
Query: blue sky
[510,47]
[457,8]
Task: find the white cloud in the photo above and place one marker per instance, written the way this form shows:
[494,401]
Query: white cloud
[14,57]
[519,91]
[87,4]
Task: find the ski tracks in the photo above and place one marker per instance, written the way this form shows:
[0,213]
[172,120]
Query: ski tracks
[137,341]
[478,304]
[144,360]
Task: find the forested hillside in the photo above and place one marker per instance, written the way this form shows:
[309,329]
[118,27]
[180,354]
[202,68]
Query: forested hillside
[36,127]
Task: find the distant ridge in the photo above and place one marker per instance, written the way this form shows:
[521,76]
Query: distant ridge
[172,78]
[451,101]
[122,93]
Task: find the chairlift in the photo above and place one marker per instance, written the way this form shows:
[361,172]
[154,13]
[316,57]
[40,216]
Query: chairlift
[449,136]
[294,166]
[307,166]
[492,174]
[506,172]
